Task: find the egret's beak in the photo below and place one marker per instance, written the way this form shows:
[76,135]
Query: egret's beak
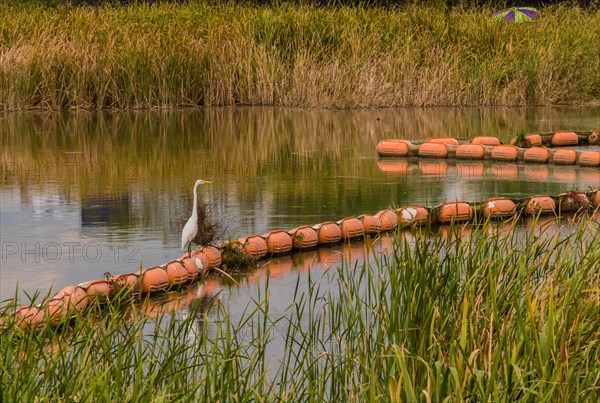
[206,182]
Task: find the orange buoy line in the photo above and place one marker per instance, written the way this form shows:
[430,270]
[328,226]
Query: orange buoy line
[74,299]
[531,148]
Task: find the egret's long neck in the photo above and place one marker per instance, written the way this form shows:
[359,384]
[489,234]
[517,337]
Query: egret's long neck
[195,208]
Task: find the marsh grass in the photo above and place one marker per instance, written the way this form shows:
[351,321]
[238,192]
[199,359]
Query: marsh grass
[198,54]
[494,316]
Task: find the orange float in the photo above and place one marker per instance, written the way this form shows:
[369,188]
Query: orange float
[431,149]
[443,140]
[97,290]
[505,153]
[388,219]
[303,237]
[351,228]
[499,207]
[486,140]
[536,154]
[589,158]
[572,201]
[209,256]
[29,316]
[371,224]
[192,266]
[278,241]
[565,157]
[596,198]
[55,310]
[540,205]
[564,138]
[533,139]
[470,151]
[412,215]
[176,273]
[254,245]
[328,232]
[154,279]
[392,148]
[74,297]
[454,211]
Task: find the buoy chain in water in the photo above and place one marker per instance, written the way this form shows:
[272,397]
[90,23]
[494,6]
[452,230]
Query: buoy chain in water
[73,300]
[531,148]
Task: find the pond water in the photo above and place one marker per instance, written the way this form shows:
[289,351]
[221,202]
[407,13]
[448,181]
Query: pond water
[83,194]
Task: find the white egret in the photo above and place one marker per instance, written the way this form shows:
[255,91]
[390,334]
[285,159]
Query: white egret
[190,230]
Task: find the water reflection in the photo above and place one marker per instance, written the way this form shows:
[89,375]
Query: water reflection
[119,183]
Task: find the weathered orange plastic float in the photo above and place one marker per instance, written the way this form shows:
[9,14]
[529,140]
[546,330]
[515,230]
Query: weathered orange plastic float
[392,148]
[454,212]
[254,245]
[589,158]
[565,138]
[505,153]
[278,241]
[470,151]
[540,205]
[328,233]
[536,154]
[304,237]
[433,150]
[351,228]
[486,140]
[499,207]
[371,224]
[564,157]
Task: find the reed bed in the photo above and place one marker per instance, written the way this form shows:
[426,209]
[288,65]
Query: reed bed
[200,54]
[499,315]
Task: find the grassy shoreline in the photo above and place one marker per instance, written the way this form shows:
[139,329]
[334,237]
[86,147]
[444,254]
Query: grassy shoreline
[157,56]
[490,317]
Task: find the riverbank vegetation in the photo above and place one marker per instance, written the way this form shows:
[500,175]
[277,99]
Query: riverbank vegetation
[203,53]
[499,315]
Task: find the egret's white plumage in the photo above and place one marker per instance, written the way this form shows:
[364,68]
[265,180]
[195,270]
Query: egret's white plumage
[190,230]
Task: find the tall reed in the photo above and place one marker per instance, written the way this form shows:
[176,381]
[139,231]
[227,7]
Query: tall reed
[198,54]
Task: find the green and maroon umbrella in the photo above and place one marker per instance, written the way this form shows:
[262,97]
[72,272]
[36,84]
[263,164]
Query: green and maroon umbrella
[516,14]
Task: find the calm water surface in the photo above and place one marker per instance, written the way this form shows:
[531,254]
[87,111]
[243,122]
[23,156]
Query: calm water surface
[83,194]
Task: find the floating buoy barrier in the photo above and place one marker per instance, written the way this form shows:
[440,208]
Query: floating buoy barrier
[486,140]
[254,245]
[536,154]
[505,153]
[433,150]
[154,279]
[589,158]
[392,147]
[328,232]
[499,207]
[388,220]
[454,212]
[564,138]
[303,237]
[176,273]
[371,224]
[470,151]
[278,241]
[540,205]
[533,148]
[351,228]
[75,299]
[565,157]
[413,215]
[443,140]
